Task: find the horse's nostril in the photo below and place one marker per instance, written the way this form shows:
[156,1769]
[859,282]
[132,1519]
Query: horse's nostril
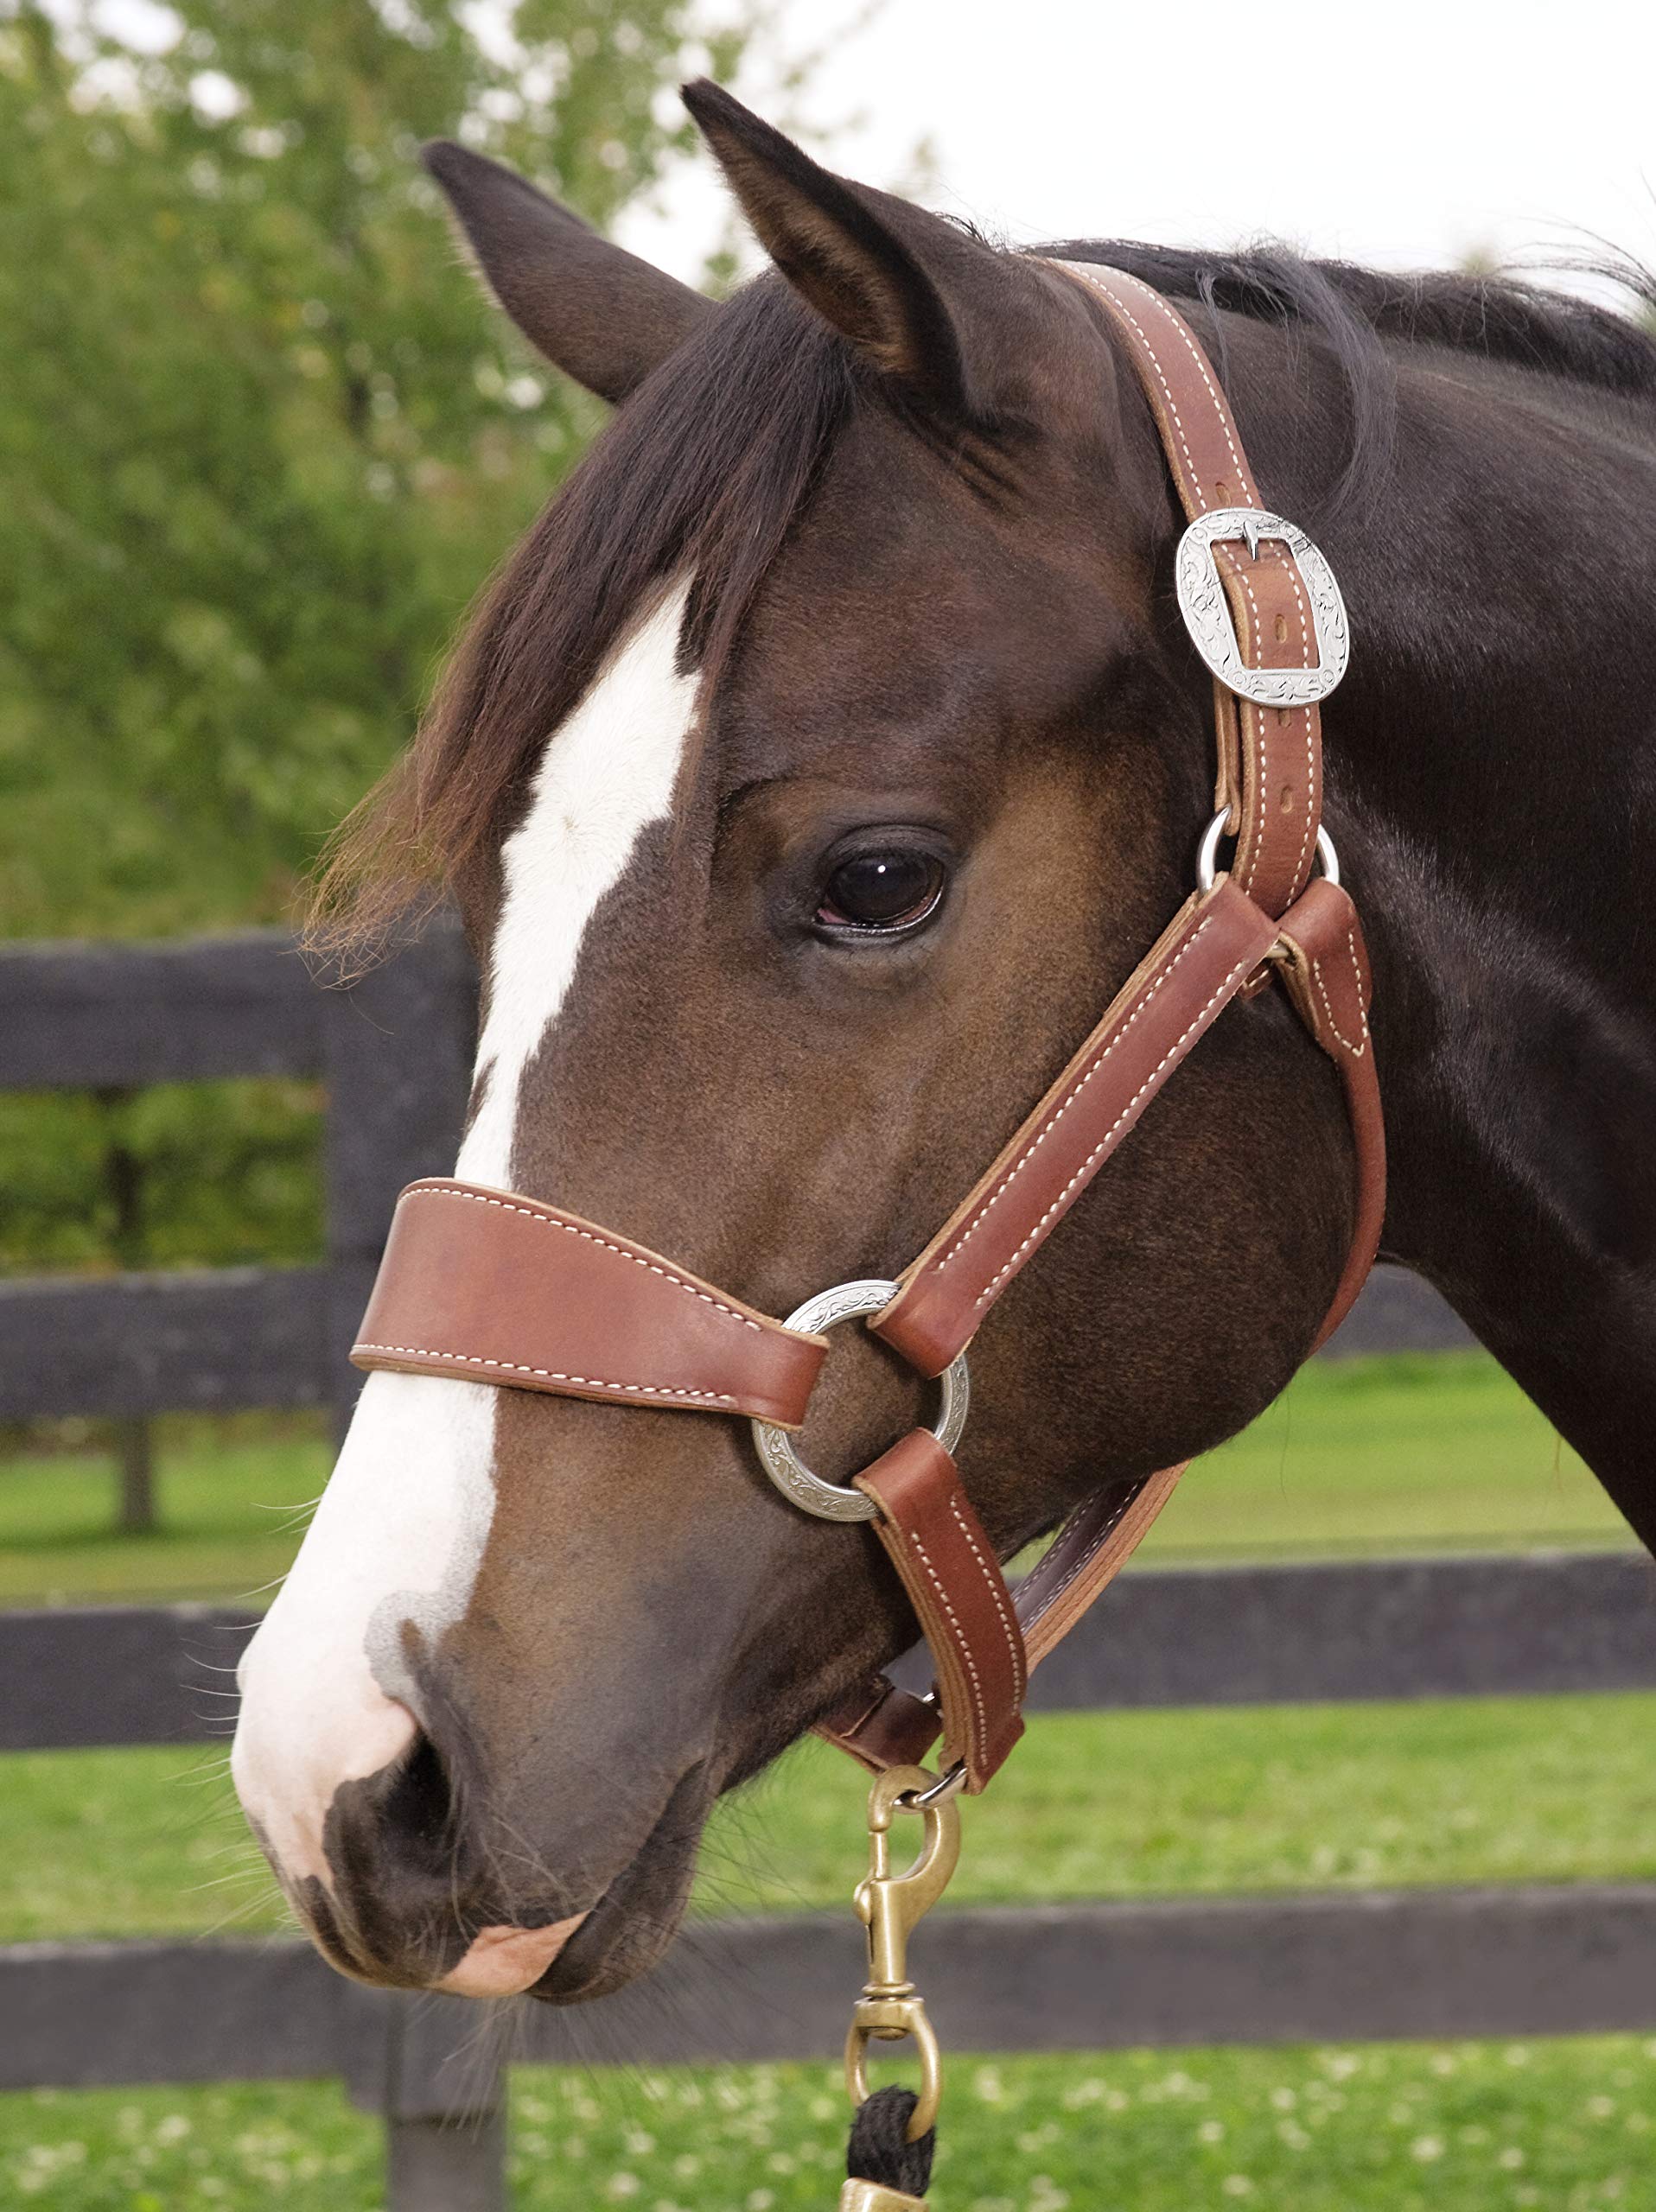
[415,1818]
[420,1801]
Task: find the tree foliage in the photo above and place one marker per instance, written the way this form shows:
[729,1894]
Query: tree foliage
[260,442]
[259,439]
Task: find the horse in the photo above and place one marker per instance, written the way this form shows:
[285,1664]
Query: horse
[823,755]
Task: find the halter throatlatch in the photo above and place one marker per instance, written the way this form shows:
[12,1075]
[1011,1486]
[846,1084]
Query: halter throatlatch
[489,1286]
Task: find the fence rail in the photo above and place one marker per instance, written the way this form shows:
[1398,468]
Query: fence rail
[1360,1965]
[394,1055]
[1524,1626]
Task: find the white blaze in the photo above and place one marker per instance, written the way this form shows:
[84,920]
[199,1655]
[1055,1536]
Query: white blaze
[401,1528]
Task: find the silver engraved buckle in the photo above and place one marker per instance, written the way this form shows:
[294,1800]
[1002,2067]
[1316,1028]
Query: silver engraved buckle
[1206,611]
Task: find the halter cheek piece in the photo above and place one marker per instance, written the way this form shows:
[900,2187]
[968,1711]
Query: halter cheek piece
[491,1287]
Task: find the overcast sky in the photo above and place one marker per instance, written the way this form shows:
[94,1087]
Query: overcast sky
[1407,134]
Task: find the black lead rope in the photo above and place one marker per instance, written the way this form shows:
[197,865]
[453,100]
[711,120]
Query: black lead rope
[879,2151]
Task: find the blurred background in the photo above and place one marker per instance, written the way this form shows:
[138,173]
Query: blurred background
[261,441]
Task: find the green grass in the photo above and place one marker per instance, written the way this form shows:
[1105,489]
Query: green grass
[1359,1456]
[1095,1805]
[1407,2128]
[1386,1455]
[232,1509]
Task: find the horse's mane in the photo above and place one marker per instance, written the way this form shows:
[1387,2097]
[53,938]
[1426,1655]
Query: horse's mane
[705,469]
[1359,315]
[1498,318]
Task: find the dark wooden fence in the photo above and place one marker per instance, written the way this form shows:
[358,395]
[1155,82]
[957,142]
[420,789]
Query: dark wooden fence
[394,1053]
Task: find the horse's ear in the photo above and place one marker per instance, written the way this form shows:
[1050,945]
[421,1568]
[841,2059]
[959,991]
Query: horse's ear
[887,274]
[595,310]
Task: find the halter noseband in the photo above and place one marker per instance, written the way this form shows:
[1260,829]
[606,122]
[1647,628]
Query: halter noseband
[490,1286]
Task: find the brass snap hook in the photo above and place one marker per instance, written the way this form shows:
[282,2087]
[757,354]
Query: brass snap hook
[891,1906]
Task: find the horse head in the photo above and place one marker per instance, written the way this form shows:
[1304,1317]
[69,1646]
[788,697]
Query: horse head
[821,762]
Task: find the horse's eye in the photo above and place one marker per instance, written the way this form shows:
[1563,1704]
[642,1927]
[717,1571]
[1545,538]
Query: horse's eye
[879,891]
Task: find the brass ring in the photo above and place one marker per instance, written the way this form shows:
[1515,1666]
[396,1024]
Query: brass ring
[923,2119]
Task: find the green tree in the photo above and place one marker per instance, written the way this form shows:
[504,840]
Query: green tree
[259,442]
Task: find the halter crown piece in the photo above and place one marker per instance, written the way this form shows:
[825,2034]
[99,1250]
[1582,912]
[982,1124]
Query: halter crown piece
[491,1285]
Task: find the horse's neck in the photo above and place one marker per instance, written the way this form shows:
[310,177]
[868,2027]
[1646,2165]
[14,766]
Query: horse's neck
[1490,759]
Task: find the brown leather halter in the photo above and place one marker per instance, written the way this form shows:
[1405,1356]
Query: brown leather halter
[488,1286]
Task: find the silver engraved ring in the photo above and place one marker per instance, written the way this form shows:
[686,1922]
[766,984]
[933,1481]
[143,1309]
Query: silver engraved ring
[837,1501]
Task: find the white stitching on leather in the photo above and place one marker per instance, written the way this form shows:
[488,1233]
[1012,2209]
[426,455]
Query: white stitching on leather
[1249,705]
[1259,712]
[1097,283]
[589,1236]
[548,1373]
[1013,1639]
[1070,1098]
[1245,480]
[1172,1053]
[1356,1051]
[960,1642]
[1045,1604]
[1312,808]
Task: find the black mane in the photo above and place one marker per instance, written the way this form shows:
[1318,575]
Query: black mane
[1354,311]
[1502,319]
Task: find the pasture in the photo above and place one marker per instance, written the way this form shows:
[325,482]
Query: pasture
[1369,1457]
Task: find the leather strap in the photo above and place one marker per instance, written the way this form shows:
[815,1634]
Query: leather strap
[1270,779]
[948,1568]
[490,1286]
[1178,990]
[1270,774]
[884,1726]
[1086,1556]
[1325,966]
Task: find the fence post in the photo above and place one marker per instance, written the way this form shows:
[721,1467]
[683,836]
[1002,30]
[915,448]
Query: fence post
[130,1434]
[398,1048]
[428,2067]
[444,2102]
[446,2165]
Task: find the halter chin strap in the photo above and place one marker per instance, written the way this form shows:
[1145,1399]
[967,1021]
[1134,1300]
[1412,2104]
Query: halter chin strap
[489,1286]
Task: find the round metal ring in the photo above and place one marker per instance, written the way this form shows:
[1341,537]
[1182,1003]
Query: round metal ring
[835,1501]
[949,1785]
[1207,852]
